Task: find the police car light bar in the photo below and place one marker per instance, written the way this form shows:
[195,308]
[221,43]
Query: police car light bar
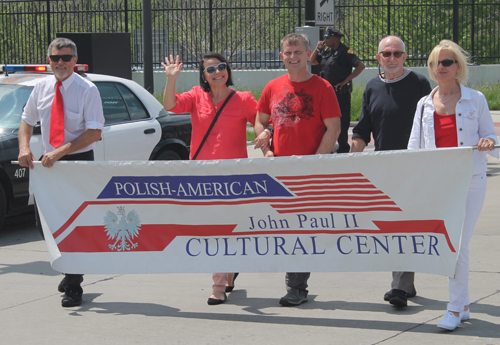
[37,68]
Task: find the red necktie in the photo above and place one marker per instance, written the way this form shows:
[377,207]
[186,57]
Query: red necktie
[57,119]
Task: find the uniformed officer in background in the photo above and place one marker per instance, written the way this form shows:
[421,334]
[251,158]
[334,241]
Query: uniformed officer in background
[337,61]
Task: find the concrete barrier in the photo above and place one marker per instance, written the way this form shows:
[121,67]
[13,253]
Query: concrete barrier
[257,79]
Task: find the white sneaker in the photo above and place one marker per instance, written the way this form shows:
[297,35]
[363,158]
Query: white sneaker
[450,321]
[465,315]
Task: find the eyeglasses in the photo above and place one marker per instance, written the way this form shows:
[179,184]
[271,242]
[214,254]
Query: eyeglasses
[211,69]
[446,62]
[397,55]
[65,58]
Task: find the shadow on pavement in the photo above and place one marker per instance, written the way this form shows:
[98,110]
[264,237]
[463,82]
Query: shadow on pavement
[473,327]
[36,268]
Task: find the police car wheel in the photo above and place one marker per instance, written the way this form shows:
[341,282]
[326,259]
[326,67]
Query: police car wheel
[168,155]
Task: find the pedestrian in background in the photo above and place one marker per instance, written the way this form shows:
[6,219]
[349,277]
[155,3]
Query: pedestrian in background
[337,62]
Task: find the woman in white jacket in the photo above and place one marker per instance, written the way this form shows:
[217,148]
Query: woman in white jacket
[456,116]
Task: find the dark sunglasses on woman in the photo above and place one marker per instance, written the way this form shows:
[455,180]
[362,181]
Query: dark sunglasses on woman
[211,69]
[446,63]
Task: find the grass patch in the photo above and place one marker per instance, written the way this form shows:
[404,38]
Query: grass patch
[492,94]
[356,101]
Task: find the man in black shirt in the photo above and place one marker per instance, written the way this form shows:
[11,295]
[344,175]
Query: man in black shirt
[389,103]
[337,61]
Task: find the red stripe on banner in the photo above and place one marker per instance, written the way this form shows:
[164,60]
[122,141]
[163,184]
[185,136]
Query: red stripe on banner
[318,176]
[156,237]
[340,192]
[328,187]
[345,203]
[339,209]
[330,197]
[415,226]
[82,207]
[319,182]
[151,238]
[71,219]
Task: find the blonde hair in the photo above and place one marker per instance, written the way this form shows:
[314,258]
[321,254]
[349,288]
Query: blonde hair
[294,39]
[461,57]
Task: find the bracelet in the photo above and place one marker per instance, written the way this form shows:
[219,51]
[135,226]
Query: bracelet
[267,131]
[270,129]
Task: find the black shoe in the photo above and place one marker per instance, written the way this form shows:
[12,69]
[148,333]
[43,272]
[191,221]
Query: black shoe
[294,297]
[61,285]
[64,282]
[72,296]
[216,301]
[389,294]
[398,298]
[230,288]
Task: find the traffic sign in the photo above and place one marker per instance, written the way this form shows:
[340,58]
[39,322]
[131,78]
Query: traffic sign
[324,13]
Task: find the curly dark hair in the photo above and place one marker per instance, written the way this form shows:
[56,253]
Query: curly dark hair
[203,83]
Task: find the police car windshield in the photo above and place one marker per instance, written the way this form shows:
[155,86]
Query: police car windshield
[13,98]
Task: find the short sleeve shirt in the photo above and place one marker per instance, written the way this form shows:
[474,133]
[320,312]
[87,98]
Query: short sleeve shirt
[337,64]
[227,139]
[298,111]
[82,108]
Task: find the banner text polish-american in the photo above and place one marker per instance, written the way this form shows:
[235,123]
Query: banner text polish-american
[194,187]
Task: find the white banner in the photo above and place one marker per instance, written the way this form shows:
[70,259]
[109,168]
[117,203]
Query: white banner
[382,211]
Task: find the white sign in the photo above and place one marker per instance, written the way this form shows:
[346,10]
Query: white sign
[324,13]
[382,211]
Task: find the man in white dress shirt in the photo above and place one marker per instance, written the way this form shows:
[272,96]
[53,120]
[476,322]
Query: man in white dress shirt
[69,109]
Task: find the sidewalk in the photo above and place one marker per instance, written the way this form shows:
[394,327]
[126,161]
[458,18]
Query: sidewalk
[343,308]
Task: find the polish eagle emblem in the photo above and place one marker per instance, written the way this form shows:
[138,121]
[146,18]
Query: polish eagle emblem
[123,228]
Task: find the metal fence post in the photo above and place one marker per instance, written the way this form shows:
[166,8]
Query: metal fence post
[126,15]
[309,9]
[472,32]
[388,17]
[147,40]
[455,21]
[49,34]
[210,25]
[300,13]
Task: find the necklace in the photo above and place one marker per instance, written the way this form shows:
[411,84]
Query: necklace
[454,93]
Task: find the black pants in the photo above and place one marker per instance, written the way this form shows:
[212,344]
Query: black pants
[71,279]
[345,121]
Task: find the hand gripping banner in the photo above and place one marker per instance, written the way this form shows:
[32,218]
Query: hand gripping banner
[382,211]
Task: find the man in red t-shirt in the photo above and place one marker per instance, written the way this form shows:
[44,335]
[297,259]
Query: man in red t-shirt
[305,115]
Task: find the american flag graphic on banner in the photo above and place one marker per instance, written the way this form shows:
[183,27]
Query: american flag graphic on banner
[333,193]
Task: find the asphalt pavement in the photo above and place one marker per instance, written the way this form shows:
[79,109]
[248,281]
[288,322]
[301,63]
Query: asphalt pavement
[343,308]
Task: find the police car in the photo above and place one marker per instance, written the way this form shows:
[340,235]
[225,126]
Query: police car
[137,127]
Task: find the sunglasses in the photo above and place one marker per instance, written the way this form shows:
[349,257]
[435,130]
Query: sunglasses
[65,58]
[397,55]
[446,63]
[211,69]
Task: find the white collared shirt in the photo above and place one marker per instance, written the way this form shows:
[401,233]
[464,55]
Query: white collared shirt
[82,108]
